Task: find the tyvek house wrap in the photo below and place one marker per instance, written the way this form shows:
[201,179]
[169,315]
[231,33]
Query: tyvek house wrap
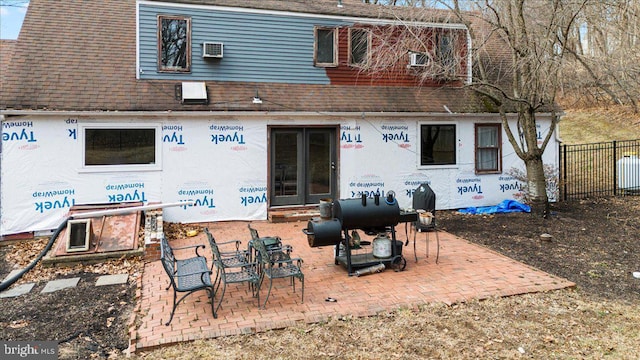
[221,164]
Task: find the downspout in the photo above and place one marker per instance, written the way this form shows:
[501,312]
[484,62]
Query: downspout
[8,282]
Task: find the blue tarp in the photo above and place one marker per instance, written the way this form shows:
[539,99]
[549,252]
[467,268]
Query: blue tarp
[506,206]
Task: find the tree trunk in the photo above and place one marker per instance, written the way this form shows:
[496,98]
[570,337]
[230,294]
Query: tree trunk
[537,186]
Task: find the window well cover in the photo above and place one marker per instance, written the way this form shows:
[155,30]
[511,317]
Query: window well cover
[194,93]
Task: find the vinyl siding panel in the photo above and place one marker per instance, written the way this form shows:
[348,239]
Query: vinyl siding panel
[257,47]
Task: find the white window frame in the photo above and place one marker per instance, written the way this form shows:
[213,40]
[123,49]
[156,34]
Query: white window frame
[157,166]
[419,145]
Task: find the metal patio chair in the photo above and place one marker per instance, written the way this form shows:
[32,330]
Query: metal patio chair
[186,275]
[273,244]
[273,268]
[233,258]
[235,273]
[230,258]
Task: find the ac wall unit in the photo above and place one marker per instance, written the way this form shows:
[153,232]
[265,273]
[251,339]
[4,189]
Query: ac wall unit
[212,50]
[418,59]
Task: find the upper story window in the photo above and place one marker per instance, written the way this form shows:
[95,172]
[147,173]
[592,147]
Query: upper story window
[488,148]
[438,55]
[174,43]
[358,46]
[118,147]
[326,47]
[445,54]
[437,144]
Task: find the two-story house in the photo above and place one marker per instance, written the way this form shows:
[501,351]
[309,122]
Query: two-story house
[241,106]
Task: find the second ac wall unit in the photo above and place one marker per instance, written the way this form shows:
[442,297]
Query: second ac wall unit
[212,50]
[419,59]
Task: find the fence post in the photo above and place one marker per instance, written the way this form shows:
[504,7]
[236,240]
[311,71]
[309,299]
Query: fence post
[563,163]
[615,168]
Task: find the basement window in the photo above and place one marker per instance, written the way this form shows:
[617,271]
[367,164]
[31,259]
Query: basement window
[78,235]
[113,147]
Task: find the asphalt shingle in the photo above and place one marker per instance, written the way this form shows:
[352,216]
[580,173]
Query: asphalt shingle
[80,56]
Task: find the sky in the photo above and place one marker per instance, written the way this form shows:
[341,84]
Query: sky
[11,20]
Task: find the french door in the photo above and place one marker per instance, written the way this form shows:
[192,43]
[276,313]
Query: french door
[303,165]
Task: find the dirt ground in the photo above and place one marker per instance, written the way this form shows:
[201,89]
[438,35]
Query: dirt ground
[594,244]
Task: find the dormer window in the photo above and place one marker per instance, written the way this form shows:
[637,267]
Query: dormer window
[441,56]
[174,44]
[358,46]
[445,52]
[326,47]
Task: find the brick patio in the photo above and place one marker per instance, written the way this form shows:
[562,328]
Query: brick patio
[465,271]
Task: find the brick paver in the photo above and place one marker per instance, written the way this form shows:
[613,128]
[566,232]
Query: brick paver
[465,271]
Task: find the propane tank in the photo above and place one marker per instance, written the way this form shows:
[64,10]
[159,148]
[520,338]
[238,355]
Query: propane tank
[382,246]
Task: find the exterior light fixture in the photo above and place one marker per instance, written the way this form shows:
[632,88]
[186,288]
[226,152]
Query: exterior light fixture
[257,99]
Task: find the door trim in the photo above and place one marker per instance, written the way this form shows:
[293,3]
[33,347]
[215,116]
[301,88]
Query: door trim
[302,198]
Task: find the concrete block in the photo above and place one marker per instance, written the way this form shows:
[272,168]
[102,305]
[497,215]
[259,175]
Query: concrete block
[55,285]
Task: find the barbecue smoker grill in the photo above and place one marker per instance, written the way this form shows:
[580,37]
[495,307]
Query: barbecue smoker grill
[377,216]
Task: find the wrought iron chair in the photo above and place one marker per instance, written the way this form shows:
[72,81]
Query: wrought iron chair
[276,249]
[186,275]
[230,258]
[235,273]
[233,258]
[273,268]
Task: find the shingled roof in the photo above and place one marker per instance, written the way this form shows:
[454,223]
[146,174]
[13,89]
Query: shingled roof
[6,53]
[76,55]
[352,8]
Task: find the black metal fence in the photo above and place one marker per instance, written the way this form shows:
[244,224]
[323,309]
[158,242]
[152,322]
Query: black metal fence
[600,169]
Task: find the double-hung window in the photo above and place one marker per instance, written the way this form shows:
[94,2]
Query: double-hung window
[118,147]
[437,144]
[174,43]
[445,53]
[358,46]
[488,148]
[326,47]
